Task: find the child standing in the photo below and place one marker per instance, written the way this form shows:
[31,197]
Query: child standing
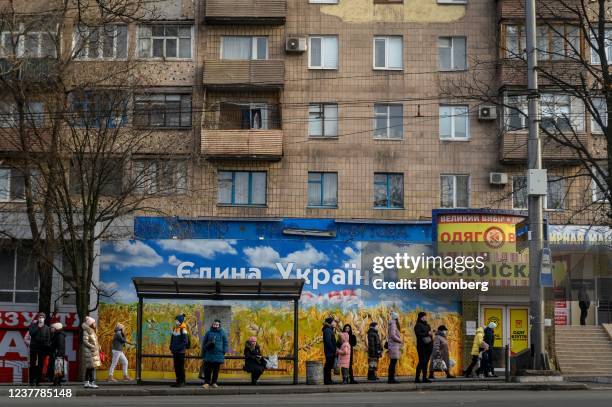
[344,357]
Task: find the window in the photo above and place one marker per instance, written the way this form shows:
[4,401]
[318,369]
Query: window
[12,187]
[323,52]
[388,121]
[323,189]
[254,116]
[602,115]
[454,122]
[561,112]
[519,192]
[242,187]
[95,109]
[599,194]
[30,43]
[452,54]
[388,190]
[234,47]
[18,275]
[107,42]
[607,47]
[103,176]
[515,117]
[555,42]
[323,1]
[160,176]
[164,41]
[454,191]
[33,115]
[163,110]
[515,41]
[388,53]
[323,120]
[555,198]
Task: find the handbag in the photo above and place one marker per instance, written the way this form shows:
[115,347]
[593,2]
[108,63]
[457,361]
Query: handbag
[102,356]
[271,362]
[427,340]
[336,367]
[59,367]
[439,365]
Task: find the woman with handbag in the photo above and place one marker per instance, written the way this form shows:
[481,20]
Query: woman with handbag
[91,352]
[58,352]
[440,360]
[424,345]
[394,345]
[254,362]
[214,348]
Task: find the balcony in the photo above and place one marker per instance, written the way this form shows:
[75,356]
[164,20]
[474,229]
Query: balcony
[513,72]
[266,145]
[266,12]
[514,148]
[30,71]
[515,9]
[268,73]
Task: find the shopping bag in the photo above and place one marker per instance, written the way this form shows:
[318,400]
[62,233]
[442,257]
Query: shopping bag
[439,365]
[59,367]
[272,362]
[102,356]
[45,366]
[65,364]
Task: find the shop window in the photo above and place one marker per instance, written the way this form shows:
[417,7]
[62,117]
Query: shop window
[163,110]
[323,52]
[388,121]
[323,120]
[388,53]
[152,177]
[454,191]
[165,41]
[452,54]
[388,190]
[323,189]
[18,275]
[106,42]
[242,187]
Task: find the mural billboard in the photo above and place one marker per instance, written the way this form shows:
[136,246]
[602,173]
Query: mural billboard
[335,284]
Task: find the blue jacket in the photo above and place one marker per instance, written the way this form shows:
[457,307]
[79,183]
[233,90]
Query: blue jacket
[178,340]
[216,353]
[329,341]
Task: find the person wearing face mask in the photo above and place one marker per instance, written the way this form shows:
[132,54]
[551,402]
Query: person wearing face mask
[91,352]
[440,353]
[214,348]
[58,352]
[178,346]
[38,339]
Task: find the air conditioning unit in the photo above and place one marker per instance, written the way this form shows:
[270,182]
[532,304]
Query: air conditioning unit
[498,178]
[296,44]
[486,113]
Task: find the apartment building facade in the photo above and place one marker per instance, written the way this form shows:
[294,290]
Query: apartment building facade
[309,134]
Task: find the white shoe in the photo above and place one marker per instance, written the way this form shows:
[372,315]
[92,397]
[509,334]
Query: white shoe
[481,376]
[93,385]
[215,385]
[87,385]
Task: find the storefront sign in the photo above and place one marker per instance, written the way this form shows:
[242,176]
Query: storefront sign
[579,235]
[519,330]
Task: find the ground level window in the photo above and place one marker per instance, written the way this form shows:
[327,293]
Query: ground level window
[18,274]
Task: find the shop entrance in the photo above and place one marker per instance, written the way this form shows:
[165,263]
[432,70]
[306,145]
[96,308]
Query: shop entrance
[512,328]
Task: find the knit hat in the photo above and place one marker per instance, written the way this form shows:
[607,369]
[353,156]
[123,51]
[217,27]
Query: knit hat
[180,318]
[89,320]
[373,324]
[329,320]
[394,315]
[57,326]
[442,328]
[421,315]
[119,327]
[492,325]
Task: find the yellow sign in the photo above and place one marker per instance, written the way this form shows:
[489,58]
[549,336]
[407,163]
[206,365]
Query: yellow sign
[519,330]
[495,315]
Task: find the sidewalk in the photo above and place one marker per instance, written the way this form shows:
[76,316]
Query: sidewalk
[274,387]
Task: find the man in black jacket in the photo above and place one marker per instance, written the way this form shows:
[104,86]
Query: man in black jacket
[329,348]
[40,342]
[487,359]
[375,350]
[424,345]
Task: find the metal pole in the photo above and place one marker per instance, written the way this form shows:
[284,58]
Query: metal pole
[295,341]
[507,363]
[139,342]
[536,303]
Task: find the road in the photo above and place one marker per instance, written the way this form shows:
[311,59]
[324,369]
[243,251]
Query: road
[590,398]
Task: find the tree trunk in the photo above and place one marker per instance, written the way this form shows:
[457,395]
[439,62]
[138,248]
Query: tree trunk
[45,275]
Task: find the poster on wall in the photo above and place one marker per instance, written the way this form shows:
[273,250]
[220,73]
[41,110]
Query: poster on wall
[335,284]
[519,330]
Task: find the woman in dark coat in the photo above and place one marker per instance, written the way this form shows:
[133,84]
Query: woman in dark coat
[353,342]
[424,345]
[58,350]
[375,350]
[254,362]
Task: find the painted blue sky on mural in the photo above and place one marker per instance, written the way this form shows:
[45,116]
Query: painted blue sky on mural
[332,269]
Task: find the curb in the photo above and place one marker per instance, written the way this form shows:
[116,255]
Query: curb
[314,389]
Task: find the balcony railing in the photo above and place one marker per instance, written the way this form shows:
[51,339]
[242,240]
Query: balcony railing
[243,144]
[268,12]
[514,148]
[248,73]
[29,70]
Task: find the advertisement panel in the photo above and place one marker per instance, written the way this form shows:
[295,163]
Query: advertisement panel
[519,330]
[495,315]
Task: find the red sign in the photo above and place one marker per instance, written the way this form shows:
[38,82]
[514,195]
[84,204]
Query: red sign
[23,319]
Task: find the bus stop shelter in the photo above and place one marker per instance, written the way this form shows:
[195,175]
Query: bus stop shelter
[217,290]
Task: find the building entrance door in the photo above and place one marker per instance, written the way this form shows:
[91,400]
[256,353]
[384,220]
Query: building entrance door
[512,328]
